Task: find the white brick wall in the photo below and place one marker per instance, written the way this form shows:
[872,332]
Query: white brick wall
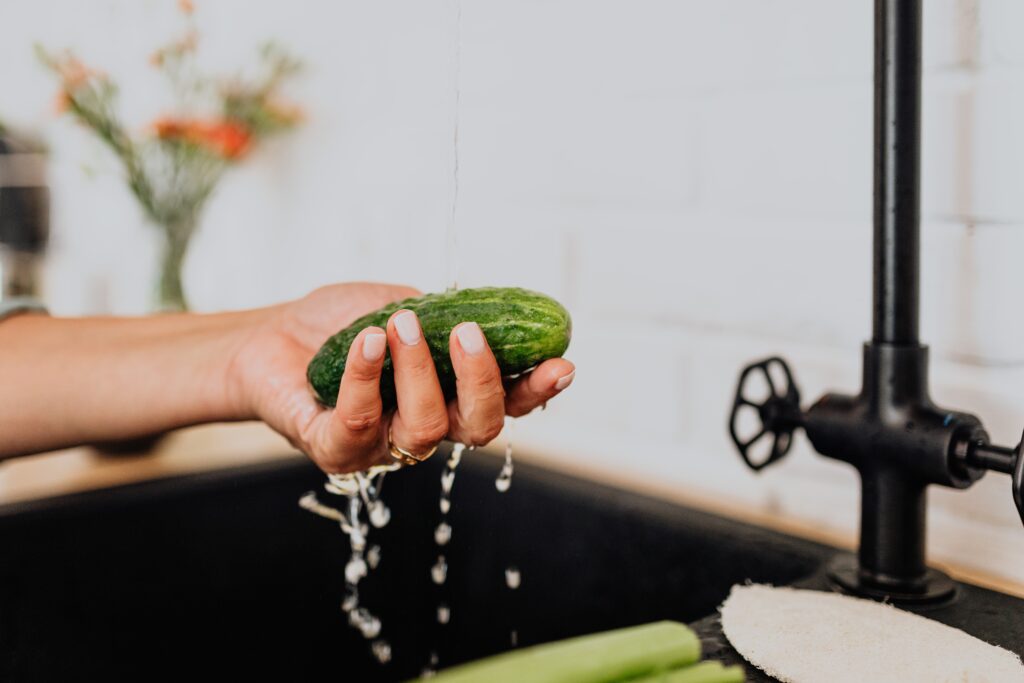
[691,178]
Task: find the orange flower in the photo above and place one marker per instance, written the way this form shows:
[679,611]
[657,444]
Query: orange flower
[62,102]
[186,6]
[224,138]
[74,73]
[167,128]
[228,139]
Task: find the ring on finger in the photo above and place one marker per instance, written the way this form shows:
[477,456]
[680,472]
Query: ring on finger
[407,457]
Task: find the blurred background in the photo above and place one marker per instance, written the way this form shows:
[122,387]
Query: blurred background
[691,179]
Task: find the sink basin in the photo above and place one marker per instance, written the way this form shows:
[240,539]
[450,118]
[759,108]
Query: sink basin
[222,573]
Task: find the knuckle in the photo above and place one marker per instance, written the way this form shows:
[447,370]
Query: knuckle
[429,432]
[487,433]
[486,384]
[419,365]
[362,421]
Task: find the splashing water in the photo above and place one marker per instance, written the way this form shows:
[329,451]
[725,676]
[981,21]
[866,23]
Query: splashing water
[361,492]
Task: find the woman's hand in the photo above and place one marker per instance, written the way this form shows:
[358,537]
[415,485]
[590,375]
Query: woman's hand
[268,376]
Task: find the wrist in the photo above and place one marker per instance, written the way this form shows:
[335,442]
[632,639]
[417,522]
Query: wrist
[237,384]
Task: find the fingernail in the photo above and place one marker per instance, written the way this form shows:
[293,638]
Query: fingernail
[408,328]
[563,382]
[374,344]
[471,338]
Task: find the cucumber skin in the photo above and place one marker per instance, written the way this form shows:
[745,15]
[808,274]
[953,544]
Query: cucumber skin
[522,328]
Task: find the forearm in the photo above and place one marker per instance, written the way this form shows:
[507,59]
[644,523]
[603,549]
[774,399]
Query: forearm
[65,382]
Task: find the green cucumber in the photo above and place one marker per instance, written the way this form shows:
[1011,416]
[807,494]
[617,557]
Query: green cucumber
[522,328]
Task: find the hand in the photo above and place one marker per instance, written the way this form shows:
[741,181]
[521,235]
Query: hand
[270,375]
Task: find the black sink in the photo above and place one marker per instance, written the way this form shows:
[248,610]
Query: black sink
[222,574]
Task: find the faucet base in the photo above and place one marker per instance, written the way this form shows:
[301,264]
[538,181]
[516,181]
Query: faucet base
[933,588]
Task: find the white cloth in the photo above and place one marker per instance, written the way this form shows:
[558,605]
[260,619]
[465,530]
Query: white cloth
[801,636]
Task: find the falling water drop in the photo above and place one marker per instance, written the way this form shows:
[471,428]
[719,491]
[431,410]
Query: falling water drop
[381,650]
[504,481]
[447,480]
[443,533]
[355,569]
[445,505]
[373,556]
[350,602]
[444,614]
[367,624]
[439,572]
[430,670]
[513,638]
[380,514]
[456,455]
[513,578]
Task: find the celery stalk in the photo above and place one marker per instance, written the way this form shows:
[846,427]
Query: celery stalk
[608,657]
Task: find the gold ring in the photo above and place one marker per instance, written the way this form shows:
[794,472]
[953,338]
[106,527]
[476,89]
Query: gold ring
[405,457]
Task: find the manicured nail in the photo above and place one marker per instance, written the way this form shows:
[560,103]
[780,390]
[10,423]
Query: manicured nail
[374,344]
[563,382]
[408,328]
[471,337]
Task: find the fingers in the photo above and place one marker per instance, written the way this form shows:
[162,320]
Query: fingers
[537,388]
[422,418]
[355,425]
[478,414]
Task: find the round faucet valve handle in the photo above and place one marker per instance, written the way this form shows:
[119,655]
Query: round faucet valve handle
[980,453]
[778,413]
[1017,478]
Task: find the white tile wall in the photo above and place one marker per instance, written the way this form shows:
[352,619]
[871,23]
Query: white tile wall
[691,178]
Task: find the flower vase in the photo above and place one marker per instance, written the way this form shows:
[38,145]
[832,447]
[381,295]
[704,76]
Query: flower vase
[177,234]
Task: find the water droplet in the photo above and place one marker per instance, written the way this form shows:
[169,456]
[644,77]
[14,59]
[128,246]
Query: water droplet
[504,481]
[381,650]
[380,514]
[357,538]
[427,673]
[342,484]
[443,533]
[456,455]
[513,578]
[446,505]
[350,602]
[444,614]
[513,638]
[367,624]
[439,572]
[447,479]
[373,556]
[355,569]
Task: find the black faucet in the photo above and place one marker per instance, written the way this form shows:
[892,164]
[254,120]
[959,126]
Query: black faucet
[897,438]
